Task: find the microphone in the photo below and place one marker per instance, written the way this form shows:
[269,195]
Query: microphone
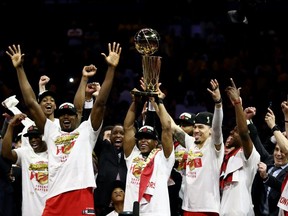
[136,208]
[135,211]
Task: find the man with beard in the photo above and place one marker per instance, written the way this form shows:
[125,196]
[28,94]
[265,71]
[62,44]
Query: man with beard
[33,160]
[71,174]
[205,151]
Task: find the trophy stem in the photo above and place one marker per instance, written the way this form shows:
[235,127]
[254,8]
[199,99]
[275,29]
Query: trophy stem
[151,71]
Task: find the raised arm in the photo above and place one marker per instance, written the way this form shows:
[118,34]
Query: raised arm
[5,123]
[79,99]
[165,119]
[234,96]
[250,112]
[217,134]
[42,83]
[7,151]
[129,122]
[98,109]
[284,106]
[178,133]
[281,140]
[27,92]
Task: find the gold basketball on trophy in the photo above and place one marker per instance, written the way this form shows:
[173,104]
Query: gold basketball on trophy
[147,43]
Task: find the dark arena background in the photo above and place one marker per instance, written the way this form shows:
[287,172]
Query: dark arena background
[199,41]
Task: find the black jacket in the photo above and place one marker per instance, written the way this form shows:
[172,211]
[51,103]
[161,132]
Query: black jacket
[109,166]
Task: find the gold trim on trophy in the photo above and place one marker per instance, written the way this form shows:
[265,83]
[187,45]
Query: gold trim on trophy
[147,43]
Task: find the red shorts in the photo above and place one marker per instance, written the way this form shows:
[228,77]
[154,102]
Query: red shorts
[74,203]
[186,213]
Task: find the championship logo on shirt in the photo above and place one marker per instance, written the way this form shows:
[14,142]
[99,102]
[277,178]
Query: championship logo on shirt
[138,166]
[194,159]
[66,142]
[181,157]
[39,171]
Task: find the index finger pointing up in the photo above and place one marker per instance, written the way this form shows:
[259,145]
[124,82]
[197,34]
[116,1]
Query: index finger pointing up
[232,82]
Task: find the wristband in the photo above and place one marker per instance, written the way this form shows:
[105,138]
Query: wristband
[236,102]
[275,128]
[160,100]
[286,121]
[218,101]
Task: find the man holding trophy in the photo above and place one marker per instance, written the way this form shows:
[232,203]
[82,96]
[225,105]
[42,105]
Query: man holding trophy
[149,166]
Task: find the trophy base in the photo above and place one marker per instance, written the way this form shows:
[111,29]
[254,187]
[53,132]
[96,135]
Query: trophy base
[144,93]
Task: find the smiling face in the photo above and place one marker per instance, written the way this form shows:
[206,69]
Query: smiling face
[37,144]
[146,144]
[68,122]
[48,105]
[233,141]
[280,158]
[117,135]
[201,133]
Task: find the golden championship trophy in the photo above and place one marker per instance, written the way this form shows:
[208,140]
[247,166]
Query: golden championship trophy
[147,43]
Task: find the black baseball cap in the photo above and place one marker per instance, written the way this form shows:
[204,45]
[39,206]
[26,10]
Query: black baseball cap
[146,131]
[46,93]
[66,108]
[187,118]
[32,131]
[204,118]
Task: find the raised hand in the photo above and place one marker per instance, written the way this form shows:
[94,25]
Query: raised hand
[89,70]
[233,93]
[284,107]
[143,85]
[42,83]
[250,112]
[114,54]
[270,118]
[15,55]
[262,169]
[44,80]
[16,119]
[214,91]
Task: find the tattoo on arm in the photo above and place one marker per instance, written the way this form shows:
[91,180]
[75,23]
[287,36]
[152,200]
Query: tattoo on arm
[180,137]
